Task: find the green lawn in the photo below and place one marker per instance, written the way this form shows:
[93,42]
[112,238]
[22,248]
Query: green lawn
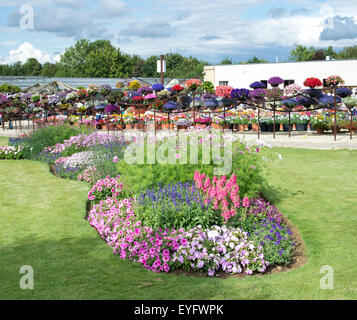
[42,224]
[4,141]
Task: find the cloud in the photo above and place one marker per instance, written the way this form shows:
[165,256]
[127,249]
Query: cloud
[27,50]
[150,29]
[65,22]
[68,3]
[342,28]
[113,8]
[210,37]
[298,11]
[9,42]
[276,12]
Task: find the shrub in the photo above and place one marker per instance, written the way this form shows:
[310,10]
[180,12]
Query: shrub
[320,125]
[275,240]
[47,136]
[9,88]
[246,164]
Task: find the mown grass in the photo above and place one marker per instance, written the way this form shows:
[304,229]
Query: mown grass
[42,224]
[4,141]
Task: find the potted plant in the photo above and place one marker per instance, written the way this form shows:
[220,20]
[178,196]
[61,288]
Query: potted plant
[334,81]
[264,124]
[254,123]
[300,122]
[193,84]
[312,83]
[320,127]
[275,81]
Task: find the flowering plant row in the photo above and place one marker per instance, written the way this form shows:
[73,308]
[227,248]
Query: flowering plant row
[212,249]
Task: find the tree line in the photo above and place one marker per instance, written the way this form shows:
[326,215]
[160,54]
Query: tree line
[100,59]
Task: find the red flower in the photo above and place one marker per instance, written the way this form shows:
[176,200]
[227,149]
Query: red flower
[138,99]
[177,88]
[312,82]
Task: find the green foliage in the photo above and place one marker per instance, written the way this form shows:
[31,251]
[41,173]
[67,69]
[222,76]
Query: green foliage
[246,164]
[348,53]
[103,159]
[32,67]
[5,87]
[275,240]
[164,212]
[49,69]
[226,60]
[302,53]
[47,136]
[320,125]
[256,60]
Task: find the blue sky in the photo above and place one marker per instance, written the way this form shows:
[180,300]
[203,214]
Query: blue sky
[210,30]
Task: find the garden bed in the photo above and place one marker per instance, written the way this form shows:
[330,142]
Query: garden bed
[226,233]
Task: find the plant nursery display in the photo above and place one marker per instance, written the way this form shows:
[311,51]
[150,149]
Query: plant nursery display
[138,106]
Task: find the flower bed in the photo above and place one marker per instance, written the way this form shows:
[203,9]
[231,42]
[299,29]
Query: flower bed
[11,152]
[215,248]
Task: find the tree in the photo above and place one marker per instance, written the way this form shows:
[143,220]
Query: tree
[72,63]
[302,53]
[32,67]
[330,52]
[348,53]
[94,59]
[254,60]
[49,69]
[226,60]
[319,55]
[17,69]
[257,60]
[149,67]
[137,63]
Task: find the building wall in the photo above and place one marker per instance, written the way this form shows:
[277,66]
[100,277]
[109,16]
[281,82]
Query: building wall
[209,73]
[242,75]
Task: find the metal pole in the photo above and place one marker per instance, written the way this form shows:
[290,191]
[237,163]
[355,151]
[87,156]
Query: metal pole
[154,120]
[351,125]
[224,117]
[274,123]
[121,119]
[194,106]
[258,122]
[162,66]
[289,124]
[335,106]
[168,120]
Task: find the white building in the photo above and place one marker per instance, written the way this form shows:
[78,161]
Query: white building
[242,75]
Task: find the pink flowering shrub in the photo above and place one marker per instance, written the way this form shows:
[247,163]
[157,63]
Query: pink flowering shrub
[116,223]
[105,189]
[89,175]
